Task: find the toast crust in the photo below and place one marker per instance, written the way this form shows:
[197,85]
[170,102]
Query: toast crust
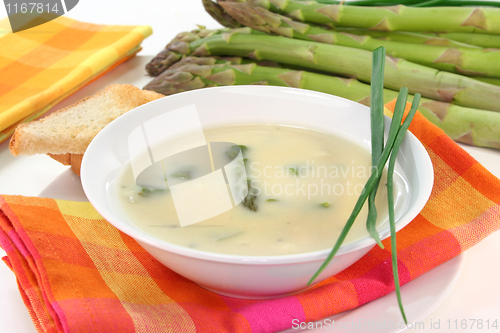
[74,160]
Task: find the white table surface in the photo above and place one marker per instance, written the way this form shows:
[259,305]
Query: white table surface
[476,294]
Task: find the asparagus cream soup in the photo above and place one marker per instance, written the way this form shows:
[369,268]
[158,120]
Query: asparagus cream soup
[302,187]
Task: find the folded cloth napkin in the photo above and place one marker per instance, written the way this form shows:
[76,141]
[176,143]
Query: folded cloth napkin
[77,273]
[43,65]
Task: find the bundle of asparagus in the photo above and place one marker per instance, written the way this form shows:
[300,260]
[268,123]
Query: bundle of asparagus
[309,42]
[467,125]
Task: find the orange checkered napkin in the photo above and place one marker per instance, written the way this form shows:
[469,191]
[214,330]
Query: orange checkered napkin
[77,273]
[43,65]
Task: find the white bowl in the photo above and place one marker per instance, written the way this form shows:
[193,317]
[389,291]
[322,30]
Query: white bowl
[251,276]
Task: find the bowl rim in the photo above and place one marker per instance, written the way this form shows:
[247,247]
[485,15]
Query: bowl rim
[148,239]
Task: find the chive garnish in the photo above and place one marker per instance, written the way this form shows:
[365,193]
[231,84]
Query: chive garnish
[146,191]
[271,200]
[228,236]
[377,132]
[370,184]
[389,152]
[293,170]
[234,150]
[390,199]
[325,204]
[181,175]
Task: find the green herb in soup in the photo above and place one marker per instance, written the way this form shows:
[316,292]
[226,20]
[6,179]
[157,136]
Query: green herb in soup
[233,151]
[250,201]
[181,175]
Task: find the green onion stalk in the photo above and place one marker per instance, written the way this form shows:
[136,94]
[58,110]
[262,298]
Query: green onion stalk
[395,137]
[377,133]
[390,196]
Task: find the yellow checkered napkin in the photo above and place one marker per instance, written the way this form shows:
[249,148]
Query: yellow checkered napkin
[43,65]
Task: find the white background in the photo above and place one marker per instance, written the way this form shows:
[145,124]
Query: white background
[475,295]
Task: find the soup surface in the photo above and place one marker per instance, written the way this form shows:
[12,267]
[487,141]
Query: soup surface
[303,186]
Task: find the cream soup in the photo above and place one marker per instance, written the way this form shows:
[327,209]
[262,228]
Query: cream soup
[303,187]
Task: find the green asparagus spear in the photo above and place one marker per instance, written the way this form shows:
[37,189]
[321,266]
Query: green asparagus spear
[393,18]
[477,39]
[349,62]
[468,125]
[454,3]
[162,61]
[490,80]
[450,39]
[415,3]
[167,58]
[216,11]
[250,201]
[463,60]
[413,37]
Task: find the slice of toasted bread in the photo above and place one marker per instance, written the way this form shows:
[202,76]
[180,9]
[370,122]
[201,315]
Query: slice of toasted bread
[71,129]
[65,134]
